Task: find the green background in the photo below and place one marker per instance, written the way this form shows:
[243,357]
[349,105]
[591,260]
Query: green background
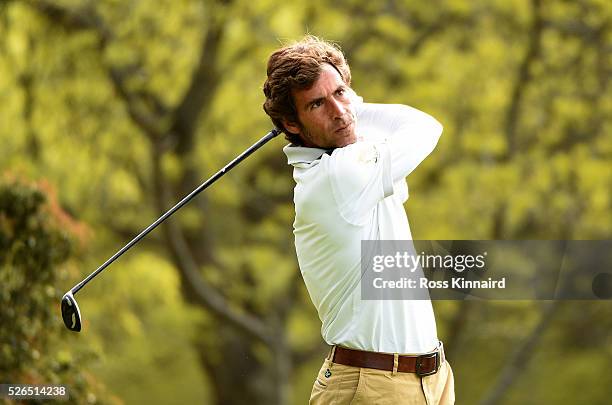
[111,111]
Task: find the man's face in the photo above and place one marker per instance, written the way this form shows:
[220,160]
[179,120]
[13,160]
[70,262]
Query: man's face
[325,112]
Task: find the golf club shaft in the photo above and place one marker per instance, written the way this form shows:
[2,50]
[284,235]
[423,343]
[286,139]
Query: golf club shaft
[184,201]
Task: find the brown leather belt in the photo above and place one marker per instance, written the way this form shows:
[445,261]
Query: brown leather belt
[423,365]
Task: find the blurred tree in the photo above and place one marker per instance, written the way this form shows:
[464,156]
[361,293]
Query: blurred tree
[125,106]
[33,246]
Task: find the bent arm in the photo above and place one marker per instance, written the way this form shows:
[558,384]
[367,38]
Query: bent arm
[411,135]
[395,139]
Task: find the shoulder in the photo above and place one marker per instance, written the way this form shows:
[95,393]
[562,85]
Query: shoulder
[353,158]
[355,168]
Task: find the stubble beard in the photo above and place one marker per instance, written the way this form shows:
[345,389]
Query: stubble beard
[307,134]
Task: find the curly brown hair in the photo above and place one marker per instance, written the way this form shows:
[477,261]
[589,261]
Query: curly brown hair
[297,67]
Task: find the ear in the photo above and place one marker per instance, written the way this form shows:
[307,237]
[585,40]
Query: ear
[292,127]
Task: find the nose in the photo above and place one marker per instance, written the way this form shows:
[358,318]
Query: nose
[337,109]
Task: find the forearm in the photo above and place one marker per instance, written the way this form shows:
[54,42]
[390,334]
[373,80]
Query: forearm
[411,135]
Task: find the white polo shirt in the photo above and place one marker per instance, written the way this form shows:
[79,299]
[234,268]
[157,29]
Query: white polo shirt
[357,193]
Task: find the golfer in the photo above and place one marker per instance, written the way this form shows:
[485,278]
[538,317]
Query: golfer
[350,162]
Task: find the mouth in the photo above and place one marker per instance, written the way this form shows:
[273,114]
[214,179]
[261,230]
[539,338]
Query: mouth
[344,128]
[345,135]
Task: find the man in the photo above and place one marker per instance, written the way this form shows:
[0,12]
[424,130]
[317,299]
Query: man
[350,161]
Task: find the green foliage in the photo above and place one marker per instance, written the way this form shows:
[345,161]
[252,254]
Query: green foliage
[29,251]
[525,154]
[145,344]
[32,250]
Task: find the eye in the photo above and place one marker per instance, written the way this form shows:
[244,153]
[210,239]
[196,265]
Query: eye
[316,104]
[340,91]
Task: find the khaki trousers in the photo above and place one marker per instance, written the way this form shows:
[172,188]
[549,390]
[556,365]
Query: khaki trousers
[337,384]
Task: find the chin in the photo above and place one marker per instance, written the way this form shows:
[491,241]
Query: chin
[349,137]
[347,140]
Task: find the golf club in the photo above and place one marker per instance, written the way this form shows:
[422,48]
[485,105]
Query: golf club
[70,309]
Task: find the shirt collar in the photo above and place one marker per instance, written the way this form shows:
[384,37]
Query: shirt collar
[299,155]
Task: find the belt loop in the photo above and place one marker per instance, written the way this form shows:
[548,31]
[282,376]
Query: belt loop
[332,353]
[395,363]
[442,355]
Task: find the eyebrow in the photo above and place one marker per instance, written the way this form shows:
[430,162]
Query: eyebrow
[311,102]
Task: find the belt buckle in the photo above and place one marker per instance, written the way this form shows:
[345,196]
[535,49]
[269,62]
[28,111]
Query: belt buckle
[435,356]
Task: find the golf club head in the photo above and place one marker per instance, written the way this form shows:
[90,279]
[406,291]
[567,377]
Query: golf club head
[71,313]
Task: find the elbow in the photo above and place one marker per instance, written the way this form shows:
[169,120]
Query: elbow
[435,131]
[428,125]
